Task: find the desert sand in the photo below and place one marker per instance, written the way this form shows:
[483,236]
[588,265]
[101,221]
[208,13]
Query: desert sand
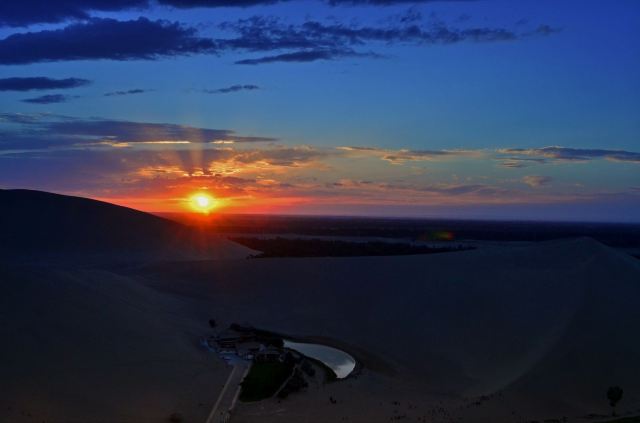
[503,334]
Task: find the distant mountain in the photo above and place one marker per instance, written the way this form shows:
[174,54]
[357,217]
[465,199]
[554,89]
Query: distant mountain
[41,222]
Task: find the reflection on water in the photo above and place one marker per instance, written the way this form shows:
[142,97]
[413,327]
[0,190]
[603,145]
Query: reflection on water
[340,362]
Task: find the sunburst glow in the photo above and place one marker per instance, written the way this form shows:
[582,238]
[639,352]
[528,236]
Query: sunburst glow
[202,202]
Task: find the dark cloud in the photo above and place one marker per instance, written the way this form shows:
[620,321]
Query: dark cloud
[40,83]
[314,40]
[26,118]
[545,30]
[233,89]
[187,4]
[48,99]
[38,129]
[519,162]
[26,12]
[450,190]
[266,34]
[104,39]
[95,39]
[575,154]
[124,131]
[300,56]
[389,2]
[460,189]
[126,92]
[403,155]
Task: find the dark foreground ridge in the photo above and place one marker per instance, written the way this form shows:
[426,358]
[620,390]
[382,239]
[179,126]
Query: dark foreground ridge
[35,220]
[33,223]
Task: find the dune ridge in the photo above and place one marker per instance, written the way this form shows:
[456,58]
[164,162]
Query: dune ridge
[41,224]
[504,333]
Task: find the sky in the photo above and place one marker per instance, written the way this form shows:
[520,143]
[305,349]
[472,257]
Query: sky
[476,109]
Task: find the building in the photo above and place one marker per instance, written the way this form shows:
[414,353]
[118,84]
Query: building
[228,338]
[269,355]
[248,349]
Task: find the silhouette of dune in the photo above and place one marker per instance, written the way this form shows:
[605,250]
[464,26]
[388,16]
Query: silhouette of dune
[503,333]
[39,222]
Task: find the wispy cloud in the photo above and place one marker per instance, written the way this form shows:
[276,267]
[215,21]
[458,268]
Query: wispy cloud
[37,130]
[48,99]
[304,56]
[233,89]
[519,162]
[126,92]
[44,11]
[130,160]
[536,181]
[315,40]
[558,153]
[402,155]
[40,83]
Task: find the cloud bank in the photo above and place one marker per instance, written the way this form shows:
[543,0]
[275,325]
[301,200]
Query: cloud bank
[63,131]
[98,39]
[276,39]
[134,160]
[28,12]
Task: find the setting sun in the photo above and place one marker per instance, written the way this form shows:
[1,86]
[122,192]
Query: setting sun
[202,202]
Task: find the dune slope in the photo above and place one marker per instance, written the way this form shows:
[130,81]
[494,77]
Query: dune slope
[89,346]
[549,326]
[35,223]
[501,334]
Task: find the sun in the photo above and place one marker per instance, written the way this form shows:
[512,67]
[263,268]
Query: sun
[202,202]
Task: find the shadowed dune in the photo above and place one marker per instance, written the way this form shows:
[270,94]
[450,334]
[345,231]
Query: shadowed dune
[549,326]
[91,346]
[33,223]
[536,332]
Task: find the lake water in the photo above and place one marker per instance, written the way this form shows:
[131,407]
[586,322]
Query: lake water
[339,361]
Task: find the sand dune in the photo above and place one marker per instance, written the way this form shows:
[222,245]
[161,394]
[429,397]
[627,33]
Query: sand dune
[42,225]
[89,346]
[496,334]
[549,326]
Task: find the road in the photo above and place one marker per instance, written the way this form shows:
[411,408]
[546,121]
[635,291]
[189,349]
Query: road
[221,411]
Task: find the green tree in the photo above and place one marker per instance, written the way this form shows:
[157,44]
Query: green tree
[614,394]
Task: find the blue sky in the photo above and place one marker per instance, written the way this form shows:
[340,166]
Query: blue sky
[491,109]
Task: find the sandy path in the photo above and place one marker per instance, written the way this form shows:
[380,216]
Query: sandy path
[221,410]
